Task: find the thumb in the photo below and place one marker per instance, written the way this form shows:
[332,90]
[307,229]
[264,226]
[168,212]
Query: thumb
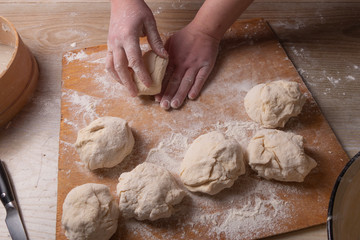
[154,39]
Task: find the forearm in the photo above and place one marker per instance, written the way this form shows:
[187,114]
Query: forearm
[216,16]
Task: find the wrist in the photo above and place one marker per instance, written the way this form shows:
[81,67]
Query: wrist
[198,27]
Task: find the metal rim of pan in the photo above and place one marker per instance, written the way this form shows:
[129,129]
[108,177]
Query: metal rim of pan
[329,221]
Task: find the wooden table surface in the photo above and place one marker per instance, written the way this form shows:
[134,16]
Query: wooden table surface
[322,38]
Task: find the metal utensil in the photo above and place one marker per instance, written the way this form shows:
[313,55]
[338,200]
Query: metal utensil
[13,220]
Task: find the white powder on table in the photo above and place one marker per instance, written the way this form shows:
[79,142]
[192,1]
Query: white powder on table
[71,56]
[246,210]
[6,53]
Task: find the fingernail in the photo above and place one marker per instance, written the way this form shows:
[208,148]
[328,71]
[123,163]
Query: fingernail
[191,96]
[175,103]
[165,104]
[164,52]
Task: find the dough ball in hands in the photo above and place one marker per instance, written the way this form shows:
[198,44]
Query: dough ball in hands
[212,163]
[279,155]
[148,192]
[156,67]
[273,104]
[104,143]
[90,213]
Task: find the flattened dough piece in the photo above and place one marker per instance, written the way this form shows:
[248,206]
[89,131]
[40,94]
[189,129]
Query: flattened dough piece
[273,104]
[105,142]
[148,192]
[279,155]
[212,163]
[156,67]
[90,213]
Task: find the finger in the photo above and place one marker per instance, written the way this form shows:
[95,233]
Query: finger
[135,60]
[185,85]
[121,68]
[109,66]
[200,80]
[154,39]
[171,88]
[169,71]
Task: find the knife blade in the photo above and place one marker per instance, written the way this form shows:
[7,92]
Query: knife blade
[13,220]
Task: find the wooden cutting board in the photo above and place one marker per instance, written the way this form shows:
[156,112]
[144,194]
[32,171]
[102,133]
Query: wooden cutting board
[253,208]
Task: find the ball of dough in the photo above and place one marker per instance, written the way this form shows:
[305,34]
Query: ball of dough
[104,143]
[273,104]
[279,155]
[90,213]
[156,67]
[148,192]
[212,163]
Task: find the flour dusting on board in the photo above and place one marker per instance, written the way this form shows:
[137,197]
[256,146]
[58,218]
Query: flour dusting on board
[83,106]
[262,204]
[71,56]
[252,207]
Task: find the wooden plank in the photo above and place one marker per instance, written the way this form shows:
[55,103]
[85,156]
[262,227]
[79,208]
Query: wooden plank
[250,54]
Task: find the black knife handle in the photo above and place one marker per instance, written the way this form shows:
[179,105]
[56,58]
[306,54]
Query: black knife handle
[6,193]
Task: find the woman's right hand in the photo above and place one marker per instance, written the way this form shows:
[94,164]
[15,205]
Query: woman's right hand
[130,20]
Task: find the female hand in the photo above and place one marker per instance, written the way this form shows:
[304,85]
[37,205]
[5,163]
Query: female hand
[192,55]
[131,19]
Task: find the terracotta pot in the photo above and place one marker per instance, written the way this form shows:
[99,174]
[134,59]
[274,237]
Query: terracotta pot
[18,81]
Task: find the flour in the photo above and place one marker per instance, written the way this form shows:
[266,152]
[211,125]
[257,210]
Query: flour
[82,106]
[5,27]
[99,60]
[5,56]
[158,10]
[71,56]
[260,211]
[350,78]
[250,208]
[333,81]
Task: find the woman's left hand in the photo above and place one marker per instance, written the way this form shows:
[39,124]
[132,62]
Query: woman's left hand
[192,56]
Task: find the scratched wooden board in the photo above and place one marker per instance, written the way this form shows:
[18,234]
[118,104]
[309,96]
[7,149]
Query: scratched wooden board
[250,54]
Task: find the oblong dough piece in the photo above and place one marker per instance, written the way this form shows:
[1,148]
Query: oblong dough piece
[148,192]
[273,104]
[104,143]
[90,213]
[212,163]
[156,67]
[279,155]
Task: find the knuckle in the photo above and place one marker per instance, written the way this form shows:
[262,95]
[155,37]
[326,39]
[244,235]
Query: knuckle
[188,80]
[108,68]
[118,67]
[134,62]
[200,78]
[174,81]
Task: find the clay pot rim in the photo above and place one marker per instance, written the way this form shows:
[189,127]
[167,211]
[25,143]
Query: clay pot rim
[16,46]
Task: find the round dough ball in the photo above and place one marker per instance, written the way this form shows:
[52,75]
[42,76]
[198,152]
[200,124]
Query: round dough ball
[279,155]
[273,104]
[148,192]
[156,67]
[212,163]
[90,213]
[104,143]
